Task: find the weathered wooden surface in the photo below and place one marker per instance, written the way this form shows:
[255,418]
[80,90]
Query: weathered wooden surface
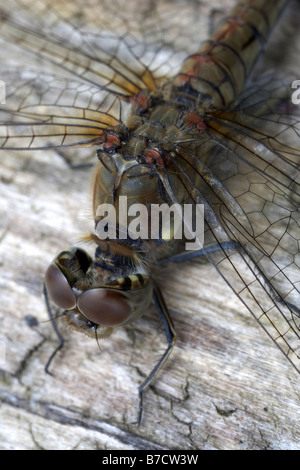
[226,385]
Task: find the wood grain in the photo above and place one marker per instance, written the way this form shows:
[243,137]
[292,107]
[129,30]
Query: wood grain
[226,386]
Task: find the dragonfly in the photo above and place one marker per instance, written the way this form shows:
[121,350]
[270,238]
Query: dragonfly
[170,121]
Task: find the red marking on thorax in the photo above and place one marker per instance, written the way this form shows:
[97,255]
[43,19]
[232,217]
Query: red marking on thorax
[153,156]
[193,119]
[140,100]
[111,141]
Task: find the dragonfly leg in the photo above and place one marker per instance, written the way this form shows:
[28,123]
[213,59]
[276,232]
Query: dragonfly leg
[72,166]
[60,338]
[171,338]
[188,255]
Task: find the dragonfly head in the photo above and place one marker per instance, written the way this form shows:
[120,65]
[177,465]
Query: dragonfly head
[92,301]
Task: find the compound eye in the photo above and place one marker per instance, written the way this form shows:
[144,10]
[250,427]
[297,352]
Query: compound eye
[104,307]
[58,288]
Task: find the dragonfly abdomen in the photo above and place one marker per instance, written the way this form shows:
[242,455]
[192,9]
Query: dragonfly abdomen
[217,73]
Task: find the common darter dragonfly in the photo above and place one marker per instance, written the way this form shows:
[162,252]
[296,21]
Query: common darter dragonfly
[169,121]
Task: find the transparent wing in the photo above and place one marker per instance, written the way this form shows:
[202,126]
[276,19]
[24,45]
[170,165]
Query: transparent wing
[82,63]
[250,188]
[46,110]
